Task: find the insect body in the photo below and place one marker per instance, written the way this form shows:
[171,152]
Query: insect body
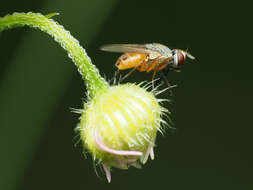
[148,57]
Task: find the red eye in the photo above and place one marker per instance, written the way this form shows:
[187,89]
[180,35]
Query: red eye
[180,58]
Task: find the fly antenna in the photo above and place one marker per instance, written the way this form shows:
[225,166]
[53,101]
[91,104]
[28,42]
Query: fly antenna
[188,54]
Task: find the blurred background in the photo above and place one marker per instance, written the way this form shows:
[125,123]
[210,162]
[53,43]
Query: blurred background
[211,147]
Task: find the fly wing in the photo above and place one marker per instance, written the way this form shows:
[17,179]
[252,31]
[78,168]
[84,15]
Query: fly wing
[128,48]
[159,50]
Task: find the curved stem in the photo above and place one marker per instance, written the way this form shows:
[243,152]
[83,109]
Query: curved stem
[94,82]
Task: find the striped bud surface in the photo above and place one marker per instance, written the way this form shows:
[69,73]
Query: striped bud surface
[119,127]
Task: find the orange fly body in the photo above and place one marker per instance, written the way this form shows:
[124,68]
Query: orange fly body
[131,60]
[148,57]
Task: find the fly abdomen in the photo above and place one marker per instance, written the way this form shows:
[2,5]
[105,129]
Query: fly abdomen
[130,60]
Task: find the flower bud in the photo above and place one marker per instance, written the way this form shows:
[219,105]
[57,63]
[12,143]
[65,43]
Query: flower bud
[119,126]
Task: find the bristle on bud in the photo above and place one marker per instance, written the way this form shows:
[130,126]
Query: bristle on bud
[119,127]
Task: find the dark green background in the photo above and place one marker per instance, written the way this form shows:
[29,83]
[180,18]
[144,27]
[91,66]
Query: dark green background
[212,109]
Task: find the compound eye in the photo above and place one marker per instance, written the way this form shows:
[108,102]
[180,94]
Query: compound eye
[180,58]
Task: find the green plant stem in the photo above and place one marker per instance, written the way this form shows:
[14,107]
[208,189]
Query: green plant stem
[94,82]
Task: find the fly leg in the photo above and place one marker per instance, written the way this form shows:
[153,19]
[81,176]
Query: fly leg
[164,74]
[164,78]
[116,73]
[165,71]
[130,72]
[153,78]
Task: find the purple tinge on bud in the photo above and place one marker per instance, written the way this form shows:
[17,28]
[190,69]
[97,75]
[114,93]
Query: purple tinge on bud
[116,152]
[112,151]
[119,127]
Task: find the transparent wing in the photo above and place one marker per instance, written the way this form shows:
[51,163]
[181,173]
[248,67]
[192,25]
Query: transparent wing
[127,48]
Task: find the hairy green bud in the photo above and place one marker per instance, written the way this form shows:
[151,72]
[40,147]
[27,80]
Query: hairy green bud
[119,126]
